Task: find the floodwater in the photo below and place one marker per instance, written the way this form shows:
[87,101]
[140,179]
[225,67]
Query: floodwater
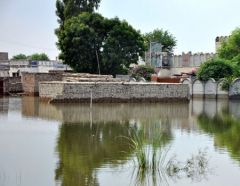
[73,145]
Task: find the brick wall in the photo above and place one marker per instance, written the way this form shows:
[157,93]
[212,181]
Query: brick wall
[31,81]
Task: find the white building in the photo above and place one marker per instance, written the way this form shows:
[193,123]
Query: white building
[16,67]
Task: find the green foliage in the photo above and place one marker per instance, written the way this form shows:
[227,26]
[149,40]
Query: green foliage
[20,57]
[89,38]
[167,40]
[33,57]
[70,8]
[224,128]
[84,147]
[215,68]
[230,49]
[228,64]
[39,57]
[144,71]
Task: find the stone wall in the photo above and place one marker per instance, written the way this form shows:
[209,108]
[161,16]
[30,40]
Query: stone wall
[112,91]
[14,85]
[190,60]
[11,85]
[30,81]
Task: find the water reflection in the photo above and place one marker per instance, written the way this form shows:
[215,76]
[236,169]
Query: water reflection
[4,106]
[224,126]
[84,147]
[91,142]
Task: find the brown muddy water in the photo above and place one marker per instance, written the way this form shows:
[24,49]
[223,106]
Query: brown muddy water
[73,145]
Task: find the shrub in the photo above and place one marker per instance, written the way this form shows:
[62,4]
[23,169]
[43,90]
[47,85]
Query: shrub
[144,71]
[215,68]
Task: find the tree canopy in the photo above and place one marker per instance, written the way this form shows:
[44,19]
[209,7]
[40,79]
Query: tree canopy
[215,68]
[167,40]
[227,63]
[20,57]
[39,57]
[70,8]
[89,40]
[230,49]
[36,57]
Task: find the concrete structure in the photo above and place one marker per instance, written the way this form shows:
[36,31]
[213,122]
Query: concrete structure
[220,92]
[188,82]
[111,92]
[234,91]
[4,64]
[3,56]
[198,89]
[210,89]
[20,66]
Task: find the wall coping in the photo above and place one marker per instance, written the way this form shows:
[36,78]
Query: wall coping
[117,83]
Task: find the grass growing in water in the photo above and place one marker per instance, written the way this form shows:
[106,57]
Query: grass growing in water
[154,166]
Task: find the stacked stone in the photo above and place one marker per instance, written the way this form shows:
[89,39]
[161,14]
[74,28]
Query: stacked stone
[112,91]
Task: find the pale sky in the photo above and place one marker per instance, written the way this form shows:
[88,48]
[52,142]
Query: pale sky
[27,26]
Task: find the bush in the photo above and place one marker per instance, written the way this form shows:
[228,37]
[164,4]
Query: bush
[216,69]
[144,71]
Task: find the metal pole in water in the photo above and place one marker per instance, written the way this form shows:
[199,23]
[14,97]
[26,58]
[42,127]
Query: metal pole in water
[91,100]
[91,108]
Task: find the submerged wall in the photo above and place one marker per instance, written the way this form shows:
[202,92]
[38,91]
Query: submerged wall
[208,89]
[30,81]
[10,85]
[112,91]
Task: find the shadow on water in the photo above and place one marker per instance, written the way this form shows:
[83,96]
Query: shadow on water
[224,126]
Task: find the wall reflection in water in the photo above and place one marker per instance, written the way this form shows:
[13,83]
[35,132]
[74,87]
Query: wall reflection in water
[90,139]
[4,106]
[224,126]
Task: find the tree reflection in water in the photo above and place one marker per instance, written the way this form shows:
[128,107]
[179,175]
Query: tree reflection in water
[83,148]
[225,128]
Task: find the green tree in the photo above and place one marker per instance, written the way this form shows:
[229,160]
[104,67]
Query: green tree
[39,57]
[20,57]
[89,39]
[230,49]
[167,40]
[122,47]
[70,8]
[215,68]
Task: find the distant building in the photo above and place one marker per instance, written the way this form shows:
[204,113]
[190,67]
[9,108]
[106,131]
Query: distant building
[3,56]
[190,60]
[17,67]
[14,68]
[4,64]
